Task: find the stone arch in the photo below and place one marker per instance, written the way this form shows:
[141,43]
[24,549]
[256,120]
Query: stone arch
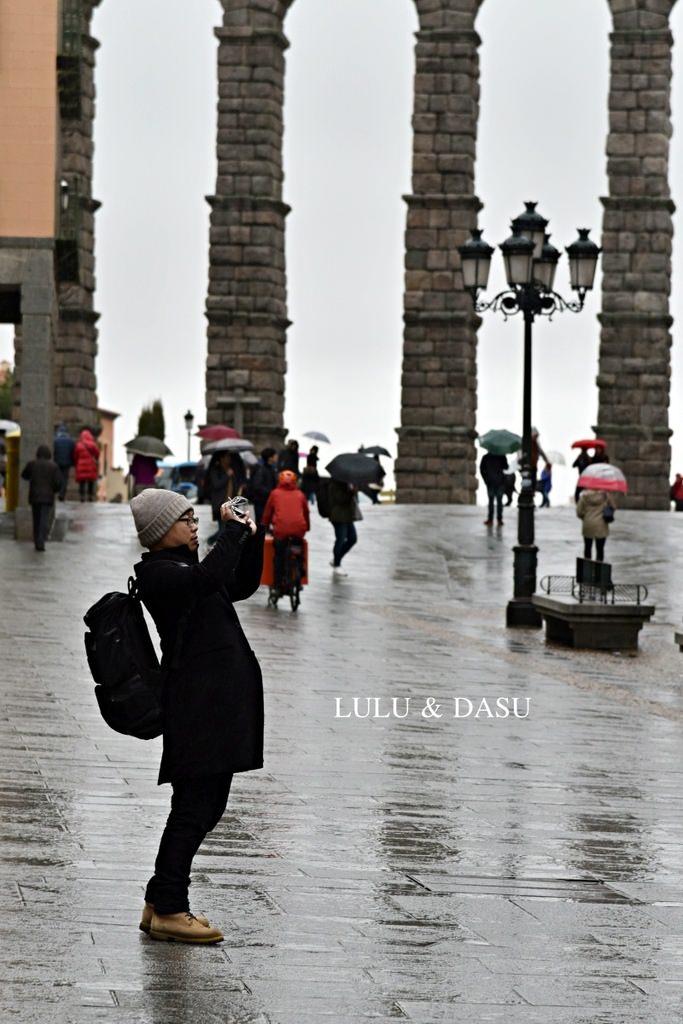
[246,305]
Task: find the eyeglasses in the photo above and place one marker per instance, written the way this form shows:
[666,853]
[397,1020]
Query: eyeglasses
[190,520]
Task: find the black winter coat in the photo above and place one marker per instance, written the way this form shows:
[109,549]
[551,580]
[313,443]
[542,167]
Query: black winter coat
[44,480]
[213,693]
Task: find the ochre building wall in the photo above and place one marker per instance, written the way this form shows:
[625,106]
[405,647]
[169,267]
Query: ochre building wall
[28,117]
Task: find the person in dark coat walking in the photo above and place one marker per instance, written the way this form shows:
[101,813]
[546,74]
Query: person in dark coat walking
[580,463]
[492,469]
[262,481]
[212,695]
[344,512]
[310,477]
[288,458]
[63,453]
[44,481]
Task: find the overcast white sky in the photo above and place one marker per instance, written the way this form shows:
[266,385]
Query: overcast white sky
[347,161]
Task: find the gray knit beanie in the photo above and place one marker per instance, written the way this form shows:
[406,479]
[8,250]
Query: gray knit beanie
[155,511]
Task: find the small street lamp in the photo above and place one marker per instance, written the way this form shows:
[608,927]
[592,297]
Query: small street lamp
[189,424]
[530,264]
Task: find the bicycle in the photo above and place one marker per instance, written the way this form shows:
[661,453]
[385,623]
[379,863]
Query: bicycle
[291,583]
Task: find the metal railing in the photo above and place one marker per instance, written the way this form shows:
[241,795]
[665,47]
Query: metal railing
[614,593]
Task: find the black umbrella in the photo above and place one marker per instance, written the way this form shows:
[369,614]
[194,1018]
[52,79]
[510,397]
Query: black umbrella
[355,468]
[375,449]
[145,445]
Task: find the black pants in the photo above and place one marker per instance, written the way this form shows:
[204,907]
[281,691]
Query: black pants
[197,805]
[64,472]
[41,523]
[90,485]
[599,548]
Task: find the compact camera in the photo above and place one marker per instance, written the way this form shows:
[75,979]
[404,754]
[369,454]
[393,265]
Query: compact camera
[239,506]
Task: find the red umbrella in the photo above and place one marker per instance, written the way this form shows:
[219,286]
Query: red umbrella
[590,442]
[217,433]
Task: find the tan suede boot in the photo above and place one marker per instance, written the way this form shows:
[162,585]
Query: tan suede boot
[148,910]
[182,928]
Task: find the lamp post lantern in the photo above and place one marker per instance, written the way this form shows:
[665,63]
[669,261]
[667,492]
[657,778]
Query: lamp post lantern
[189,424]
[530,264]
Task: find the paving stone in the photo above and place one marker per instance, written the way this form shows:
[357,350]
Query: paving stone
[387,869]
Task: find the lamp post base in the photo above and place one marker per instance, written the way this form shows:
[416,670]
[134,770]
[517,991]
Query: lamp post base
[521,612]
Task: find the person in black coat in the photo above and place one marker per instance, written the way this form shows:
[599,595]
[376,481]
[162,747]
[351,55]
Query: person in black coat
[213,693]
[262,481]
[492,469]
[44,481]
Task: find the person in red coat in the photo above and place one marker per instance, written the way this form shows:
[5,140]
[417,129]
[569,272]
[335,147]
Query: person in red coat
[286,513]
[86,463]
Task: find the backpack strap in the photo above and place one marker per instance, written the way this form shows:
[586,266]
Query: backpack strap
[166,664]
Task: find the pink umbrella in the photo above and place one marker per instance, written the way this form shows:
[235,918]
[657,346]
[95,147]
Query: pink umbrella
[603,476]
[216,433]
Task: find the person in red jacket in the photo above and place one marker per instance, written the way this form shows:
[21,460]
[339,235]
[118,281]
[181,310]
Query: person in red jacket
[86,462]
[286,513]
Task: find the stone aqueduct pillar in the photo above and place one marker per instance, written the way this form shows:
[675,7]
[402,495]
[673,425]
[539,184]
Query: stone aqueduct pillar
[436,458]
[246,306]
[76,339]
[635,342]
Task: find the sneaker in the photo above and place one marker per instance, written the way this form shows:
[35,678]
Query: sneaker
[183,927]
[488,522]
[148,911]
[337,570]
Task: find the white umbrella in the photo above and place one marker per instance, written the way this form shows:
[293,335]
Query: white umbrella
[603,476]
[556,458]
[228,444]
[316,435]
[8,426]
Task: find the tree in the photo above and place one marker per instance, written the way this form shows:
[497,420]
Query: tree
[151,421]
[6,384]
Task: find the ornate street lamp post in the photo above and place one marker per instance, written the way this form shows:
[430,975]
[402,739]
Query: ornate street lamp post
[189,424]
[530,265]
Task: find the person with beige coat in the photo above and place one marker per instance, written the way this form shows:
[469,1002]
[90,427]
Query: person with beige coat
[590,509]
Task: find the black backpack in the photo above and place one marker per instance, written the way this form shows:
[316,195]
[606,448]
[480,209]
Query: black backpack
[322,495]
[124,665]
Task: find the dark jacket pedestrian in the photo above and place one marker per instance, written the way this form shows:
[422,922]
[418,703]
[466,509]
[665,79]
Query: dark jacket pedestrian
[288,458]
[44,481]
[225,478]
[212,691]
[492,469]
[262,481]
[63,447]
[580,464]
[310,476]
[589,509]
[344,512]
[87,463]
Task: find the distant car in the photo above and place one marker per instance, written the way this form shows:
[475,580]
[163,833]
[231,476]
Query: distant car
[181,478]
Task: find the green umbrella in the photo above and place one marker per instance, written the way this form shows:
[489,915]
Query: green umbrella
[147,446]
[500,442]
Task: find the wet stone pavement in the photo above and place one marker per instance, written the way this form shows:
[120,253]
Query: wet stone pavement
[426,869]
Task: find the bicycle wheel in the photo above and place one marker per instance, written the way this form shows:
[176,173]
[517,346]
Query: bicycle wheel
[294,582]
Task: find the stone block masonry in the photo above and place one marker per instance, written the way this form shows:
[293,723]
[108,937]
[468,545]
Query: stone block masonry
[247,305]
[635,342]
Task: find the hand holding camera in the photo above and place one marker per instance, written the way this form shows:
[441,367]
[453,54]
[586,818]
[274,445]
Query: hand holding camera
[237,510]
